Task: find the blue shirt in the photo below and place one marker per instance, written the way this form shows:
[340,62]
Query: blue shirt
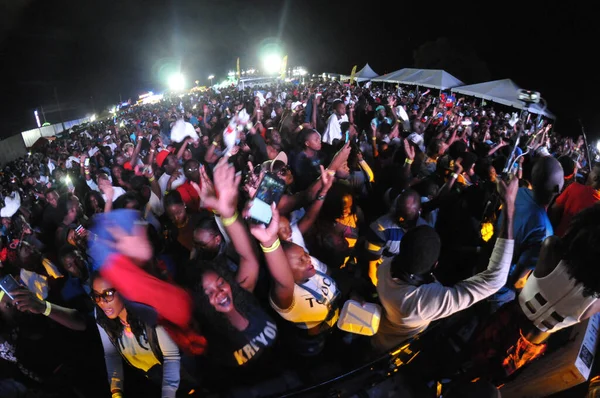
[531,226]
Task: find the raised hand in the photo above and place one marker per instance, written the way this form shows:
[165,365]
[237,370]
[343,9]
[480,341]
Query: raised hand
[508,192]
[134,245]
[223,196]
[267,235]
[327,180]
[409,150]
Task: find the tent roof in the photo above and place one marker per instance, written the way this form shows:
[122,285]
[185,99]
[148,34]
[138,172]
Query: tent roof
[432,78]
[505,92]
[366,73]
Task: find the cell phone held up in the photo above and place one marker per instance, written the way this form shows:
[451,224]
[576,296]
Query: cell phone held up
[8,284]
[269,191]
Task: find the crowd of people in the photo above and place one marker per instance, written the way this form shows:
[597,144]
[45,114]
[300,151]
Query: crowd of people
[208,243]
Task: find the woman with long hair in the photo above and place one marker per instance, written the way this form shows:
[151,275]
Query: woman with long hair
[126,337]
[240,331]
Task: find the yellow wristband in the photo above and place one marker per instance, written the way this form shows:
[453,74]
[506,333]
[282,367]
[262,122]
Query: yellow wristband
[48,309]
[408,161]
[151,179]
[271,248]
[229,220]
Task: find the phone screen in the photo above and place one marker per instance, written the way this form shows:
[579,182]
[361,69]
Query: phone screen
[87,162]
[347,136]
[260,212]
[8,284]
[270,189]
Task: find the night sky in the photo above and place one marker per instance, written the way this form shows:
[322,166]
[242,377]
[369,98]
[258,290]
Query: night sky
[95,51]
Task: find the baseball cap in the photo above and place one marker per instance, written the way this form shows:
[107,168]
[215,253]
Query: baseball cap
[296,104]
[270,164]
[380,108]
[161,157]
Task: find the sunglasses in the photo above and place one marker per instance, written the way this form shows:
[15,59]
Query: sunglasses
[107,296]
[283,170]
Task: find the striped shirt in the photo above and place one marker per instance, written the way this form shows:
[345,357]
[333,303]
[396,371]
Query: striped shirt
[384,236]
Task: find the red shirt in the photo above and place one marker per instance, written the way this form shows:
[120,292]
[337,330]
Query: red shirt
[574,199]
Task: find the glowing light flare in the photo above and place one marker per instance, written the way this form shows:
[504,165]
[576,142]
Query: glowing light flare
[211,77]
[272,64]
[598,146]
[93,118]
[146,95]
[176,82]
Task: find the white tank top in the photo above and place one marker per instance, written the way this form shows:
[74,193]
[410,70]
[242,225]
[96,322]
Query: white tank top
[555,301]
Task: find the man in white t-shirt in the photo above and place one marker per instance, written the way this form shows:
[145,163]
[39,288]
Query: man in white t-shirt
[315,292]
[333,130]
[173,176]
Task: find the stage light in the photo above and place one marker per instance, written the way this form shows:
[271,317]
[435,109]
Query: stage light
[176,82]
[598,146]
[93,118]
[272,64]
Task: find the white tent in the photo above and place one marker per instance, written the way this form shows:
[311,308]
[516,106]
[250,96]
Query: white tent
[366,73]
[505,92]
[432,78]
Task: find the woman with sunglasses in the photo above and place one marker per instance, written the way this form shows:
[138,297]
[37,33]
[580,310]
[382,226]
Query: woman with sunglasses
[126,337]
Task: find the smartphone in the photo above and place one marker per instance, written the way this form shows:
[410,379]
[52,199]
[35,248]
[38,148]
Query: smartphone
[260,212]
[347,136]
[269,191]
[8,284]
[87,162]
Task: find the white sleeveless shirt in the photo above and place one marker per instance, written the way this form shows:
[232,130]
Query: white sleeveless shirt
[555,301]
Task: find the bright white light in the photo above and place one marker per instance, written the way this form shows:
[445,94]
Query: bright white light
[176,82]
[37,118]
[272,64]
[194,107]
[113,110]
[231,73]
[302,72]
[211,77]
[93,118]
[598,146]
